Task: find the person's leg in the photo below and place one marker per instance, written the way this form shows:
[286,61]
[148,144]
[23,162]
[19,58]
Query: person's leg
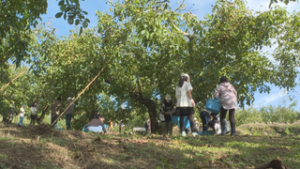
[205,119]
[232,121]
[181,123]
[191,119]
[222,119]
[35,117]
[170,128]
[21,120]
[164,128]
[68,121]
[30,119]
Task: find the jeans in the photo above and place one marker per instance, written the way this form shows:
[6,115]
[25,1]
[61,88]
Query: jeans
[167,128]
[21,120]
[68,121]
[205,119]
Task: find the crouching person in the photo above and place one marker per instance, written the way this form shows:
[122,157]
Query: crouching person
[205,118]
[97,125]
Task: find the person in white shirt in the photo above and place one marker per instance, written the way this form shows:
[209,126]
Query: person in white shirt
[22,113]
[185,103]
[33,113]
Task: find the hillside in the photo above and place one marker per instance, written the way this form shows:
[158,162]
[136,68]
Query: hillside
[43,147]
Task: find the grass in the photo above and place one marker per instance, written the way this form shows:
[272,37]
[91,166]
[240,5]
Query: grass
[44,147]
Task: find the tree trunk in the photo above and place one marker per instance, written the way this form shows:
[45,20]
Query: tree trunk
[150,105]
[41,118]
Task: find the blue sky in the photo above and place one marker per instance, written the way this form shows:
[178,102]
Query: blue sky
[277,96]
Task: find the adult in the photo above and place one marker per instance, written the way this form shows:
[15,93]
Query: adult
[147,126]
[228,97]
[96,113]
[165,116]
[97,125]
[185,103]
[55,108]
[22,113]
[205,118]
[69,112]
[120,127]
[11,113]
[110,127]
[33,113]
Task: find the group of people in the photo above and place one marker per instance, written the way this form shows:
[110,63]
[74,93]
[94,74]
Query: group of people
[11,113]
[184,107]
[55,110]
[185,104]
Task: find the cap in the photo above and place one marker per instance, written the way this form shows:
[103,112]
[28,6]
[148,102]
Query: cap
[185,74]
[168,97]
[23,105]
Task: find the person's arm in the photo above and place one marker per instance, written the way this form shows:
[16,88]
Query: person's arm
[217,92]
[103,127]
[191,98]
[233,89]
[162,108]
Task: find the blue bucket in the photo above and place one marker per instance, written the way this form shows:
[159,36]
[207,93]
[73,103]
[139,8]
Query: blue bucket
[176,120]
[59,127]
[213,105]
[84,129]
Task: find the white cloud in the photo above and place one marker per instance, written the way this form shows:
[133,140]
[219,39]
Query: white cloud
[271,98]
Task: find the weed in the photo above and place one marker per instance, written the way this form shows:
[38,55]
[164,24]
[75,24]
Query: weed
[287,131]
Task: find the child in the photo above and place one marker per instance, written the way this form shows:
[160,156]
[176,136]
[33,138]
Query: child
[147,127]
[11,113]
[165,116]
[33,113]
[22,113]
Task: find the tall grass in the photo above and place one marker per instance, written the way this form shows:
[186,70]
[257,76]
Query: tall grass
[278,114]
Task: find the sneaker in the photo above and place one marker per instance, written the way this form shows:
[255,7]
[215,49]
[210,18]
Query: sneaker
[194,134]
[183,134]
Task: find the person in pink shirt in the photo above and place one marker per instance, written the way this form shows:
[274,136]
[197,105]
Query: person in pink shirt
[228,97]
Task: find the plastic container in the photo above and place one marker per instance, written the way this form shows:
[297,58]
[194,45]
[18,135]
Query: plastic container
[176,120]
[59,127]
[213,105]
[84,129]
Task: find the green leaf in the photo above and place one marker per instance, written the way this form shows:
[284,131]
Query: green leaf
[80,31]
[61,3]
[77,22]
[85,23]
[70,20]
[58,15]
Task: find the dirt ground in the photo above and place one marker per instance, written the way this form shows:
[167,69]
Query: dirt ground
[44,147]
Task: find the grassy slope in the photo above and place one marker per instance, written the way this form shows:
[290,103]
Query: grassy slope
[43,147]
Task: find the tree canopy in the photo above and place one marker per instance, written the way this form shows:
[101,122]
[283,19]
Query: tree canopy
[145,46]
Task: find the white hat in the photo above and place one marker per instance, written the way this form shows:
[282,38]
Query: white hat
[168,97]
[185,74]
[69,99]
